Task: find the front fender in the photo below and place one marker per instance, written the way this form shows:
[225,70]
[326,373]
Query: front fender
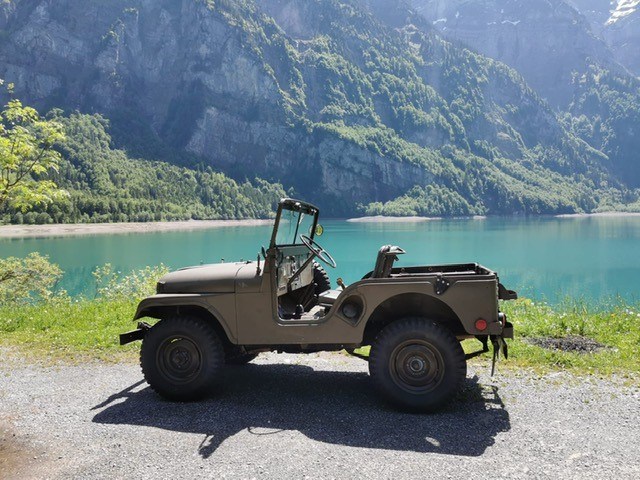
[220,307]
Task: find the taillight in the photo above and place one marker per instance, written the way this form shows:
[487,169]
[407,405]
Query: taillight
[481,324]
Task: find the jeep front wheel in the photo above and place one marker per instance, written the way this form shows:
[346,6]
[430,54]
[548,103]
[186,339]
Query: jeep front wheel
[182,358]
[416,364]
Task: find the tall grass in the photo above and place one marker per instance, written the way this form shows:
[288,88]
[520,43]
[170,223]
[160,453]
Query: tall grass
[615,324]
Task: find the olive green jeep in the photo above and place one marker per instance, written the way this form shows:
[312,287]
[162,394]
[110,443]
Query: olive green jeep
[412,317]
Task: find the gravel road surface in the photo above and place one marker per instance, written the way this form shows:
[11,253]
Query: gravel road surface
[313,416]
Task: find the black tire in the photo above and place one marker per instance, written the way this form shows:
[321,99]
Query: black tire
[232,357]
[416,364]
[182,358]
[321,279]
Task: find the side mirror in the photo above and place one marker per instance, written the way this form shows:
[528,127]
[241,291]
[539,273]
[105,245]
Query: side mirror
[319,230]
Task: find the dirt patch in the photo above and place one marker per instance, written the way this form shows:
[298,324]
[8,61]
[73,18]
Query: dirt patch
[13,455]
[570,343]
[19,458]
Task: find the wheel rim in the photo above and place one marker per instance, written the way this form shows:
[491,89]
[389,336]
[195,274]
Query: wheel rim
[416,366]
[179,359]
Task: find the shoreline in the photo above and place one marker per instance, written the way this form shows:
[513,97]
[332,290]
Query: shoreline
[416,219]
[599,214]
[77,229]
[387,219]
[410,219]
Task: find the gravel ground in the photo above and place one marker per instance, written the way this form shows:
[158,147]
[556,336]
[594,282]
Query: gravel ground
[296,416]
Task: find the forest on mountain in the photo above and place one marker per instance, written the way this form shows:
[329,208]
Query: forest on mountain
[106,185]
[215,109]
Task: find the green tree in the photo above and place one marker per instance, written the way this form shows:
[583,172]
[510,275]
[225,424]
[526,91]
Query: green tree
[26,156]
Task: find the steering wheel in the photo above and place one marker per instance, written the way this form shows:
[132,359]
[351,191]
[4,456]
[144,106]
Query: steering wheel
[318,251]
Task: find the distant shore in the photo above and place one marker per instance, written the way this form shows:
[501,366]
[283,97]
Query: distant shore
[387,219]
[601,214]
[69,229]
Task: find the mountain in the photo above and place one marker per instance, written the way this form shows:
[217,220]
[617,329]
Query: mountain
[546,41]
[617,22]
[347,102]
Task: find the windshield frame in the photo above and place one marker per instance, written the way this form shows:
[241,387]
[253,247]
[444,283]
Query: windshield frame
[300,207]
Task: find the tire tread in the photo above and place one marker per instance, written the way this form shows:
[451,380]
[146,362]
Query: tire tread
[383,346]
[208,340]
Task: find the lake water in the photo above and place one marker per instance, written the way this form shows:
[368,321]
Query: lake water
[592,258]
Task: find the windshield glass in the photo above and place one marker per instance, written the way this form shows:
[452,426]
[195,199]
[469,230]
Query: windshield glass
[292,225]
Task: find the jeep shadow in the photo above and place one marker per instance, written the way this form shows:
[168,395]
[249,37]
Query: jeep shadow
[331,407]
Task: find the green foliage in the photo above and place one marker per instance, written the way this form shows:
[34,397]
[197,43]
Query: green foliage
[49,323]
[138,284]
[25,280]
[65,329]
[27,156]
[606,113]
[431,201]
[105,185]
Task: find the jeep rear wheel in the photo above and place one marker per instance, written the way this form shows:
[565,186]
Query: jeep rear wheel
[416,364]
[182,358]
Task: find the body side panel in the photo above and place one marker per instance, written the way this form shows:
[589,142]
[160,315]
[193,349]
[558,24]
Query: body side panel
[469,299]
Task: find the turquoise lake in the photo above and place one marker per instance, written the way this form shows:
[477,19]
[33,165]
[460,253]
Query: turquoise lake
[591,258]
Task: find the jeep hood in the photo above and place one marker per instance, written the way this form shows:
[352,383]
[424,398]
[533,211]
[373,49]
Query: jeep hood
[216,278]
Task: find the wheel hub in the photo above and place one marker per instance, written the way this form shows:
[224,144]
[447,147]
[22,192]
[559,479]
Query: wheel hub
[179,359]
[417,366]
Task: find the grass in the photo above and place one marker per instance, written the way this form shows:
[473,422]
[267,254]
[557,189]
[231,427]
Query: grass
[614,324]
[67,330]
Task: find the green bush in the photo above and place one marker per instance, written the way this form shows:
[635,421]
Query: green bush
[112,285]
[27,280]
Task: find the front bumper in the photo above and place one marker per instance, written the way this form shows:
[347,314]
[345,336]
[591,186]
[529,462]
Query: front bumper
[133,335]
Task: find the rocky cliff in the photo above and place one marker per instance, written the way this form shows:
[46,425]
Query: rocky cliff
[617,22]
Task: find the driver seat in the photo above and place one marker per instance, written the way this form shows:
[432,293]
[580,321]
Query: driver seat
[387,255]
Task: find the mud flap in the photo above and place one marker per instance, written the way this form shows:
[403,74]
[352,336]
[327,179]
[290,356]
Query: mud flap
[498,345]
